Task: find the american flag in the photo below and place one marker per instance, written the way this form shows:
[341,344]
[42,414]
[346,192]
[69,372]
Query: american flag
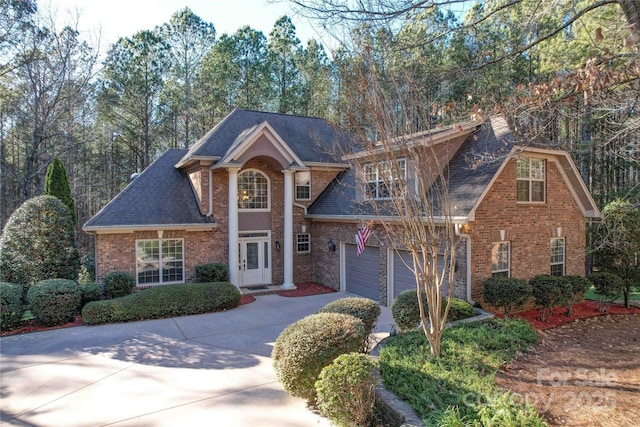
[362,237]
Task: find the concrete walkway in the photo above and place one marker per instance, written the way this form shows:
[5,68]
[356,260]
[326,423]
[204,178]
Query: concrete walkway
[209,369]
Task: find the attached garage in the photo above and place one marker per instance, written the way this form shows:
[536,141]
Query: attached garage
[402,277]
[362,273]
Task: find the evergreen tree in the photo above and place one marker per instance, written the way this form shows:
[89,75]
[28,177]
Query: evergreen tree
[57,184]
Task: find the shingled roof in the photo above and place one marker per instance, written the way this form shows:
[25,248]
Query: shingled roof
[470,172]
[160,195]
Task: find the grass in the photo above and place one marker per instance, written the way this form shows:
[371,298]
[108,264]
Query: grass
[590,294]
[459,389]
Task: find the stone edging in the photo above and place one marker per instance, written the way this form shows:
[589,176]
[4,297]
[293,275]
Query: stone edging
[395,411]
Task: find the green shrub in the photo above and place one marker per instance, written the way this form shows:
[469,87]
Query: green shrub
[346,390]
[11,307]
[87,269]
[577,286]
[38,243]
[54,301]
[406,311]
[214,272]
[118,284]
[364,309]
[90,292]
[548,292]
[310,344]
[506,293]
[162,302]
[608,286]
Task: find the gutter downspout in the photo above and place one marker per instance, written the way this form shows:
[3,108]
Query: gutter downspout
[210,194]
[468,266]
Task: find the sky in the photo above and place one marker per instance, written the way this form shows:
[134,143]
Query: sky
[123,18]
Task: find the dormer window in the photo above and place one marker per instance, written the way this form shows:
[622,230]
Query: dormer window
[253,191]
[383,179]
[530,178]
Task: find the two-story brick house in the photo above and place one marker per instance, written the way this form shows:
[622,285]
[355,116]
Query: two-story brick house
[275,198]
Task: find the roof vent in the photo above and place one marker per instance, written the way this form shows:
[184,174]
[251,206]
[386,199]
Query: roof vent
[134,176]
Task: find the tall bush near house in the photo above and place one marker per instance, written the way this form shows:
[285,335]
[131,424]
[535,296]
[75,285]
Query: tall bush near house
[38,243]
[54,301]
[506,293]
[548,292]
[609,288]
[11,307]
[346,390]
[118,284]
[213,272]
[57,184]
[577,287]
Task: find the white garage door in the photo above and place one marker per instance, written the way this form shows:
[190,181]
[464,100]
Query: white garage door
[362,273]
[403,277]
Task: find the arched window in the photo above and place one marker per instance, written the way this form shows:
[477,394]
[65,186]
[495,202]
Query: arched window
[253,190]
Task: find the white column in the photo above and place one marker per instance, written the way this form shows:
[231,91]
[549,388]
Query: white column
[288,230]
[233,226]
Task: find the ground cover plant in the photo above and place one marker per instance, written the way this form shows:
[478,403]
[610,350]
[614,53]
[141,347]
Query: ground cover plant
[163,301]
[458,388]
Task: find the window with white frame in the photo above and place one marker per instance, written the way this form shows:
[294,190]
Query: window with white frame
[557,256]
[303,243]
[253,190]
[159,261]
[383,179]
[303,185]
[530,179]
[501,259]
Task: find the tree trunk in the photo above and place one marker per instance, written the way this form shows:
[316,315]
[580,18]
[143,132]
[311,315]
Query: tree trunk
[631,9]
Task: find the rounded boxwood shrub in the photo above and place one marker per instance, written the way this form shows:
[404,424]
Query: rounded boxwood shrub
[90,292]
[213,272]
[11,307]
[506,293]
[38,243]
[162,302]
[346,390]
[608,286]
[310,344]
[364,309]
[577,286]
[405,309]
[118,284]
[460,309]
[548,292]
[54,301]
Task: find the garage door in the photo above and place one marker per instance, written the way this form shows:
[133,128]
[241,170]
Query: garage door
[362,272]
[403,277]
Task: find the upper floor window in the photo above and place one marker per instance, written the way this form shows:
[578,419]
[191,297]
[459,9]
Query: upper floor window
[383,178]
[253,190]
[303,243]
[303,185]
[159,261]
[501,259]
[557,256]
[530,179]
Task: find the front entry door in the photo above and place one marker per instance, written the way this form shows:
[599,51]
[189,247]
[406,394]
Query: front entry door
[254,262]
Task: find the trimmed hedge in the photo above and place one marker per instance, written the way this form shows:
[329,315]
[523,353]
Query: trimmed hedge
[346,390]
[90,292]
[118,284]
[506,293]
[577,287]
[364,309]
[608,286]
[310,344]
[54,301]
[162,302]
[11,307]
[214,272]
[406,310]
[548,292]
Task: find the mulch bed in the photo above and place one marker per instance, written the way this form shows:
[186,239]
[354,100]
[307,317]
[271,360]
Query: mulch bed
[306,289]
[580,311]
[247,299]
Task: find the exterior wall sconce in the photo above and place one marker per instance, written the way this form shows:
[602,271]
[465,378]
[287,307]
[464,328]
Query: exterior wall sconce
[331,246]
[278,245]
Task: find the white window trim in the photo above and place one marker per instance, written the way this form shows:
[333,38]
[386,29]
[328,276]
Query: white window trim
[298,243]
[508,269]
[295,189]
[531,181]
[564,255]
[268,208]
[378,180]
[160,282]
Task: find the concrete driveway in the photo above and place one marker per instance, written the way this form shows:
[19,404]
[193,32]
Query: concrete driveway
[210,369]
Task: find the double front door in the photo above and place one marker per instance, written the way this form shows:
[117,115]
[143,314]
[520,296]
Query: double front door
[254,260]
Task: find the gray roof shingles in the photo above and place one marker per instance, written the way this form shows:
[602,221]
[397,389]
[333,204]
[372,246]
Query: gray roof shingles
[161,194]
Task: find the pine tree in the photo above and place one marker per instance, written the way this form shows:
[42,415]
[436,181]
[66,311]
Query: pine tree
[57,184]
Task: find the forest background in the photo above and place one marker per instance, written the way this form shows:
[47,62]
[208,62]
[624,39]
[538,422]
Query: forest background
[566,72]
